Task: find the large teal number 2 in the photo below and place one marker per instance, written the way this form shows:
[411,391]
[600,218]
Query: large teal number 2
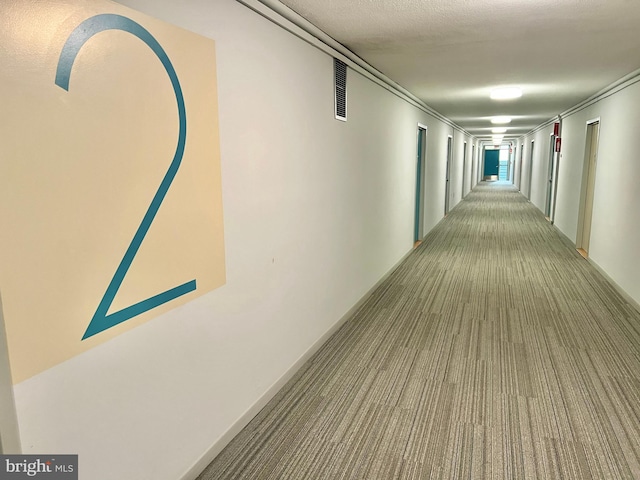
[83,32]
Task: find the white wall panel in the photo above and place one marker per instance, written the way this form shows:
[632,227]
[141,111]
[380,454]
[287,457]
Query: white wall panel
[615,231]
[316,211]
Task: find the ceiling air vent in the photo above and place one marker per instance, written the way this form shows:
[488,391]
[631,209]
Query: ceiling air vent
[340,71]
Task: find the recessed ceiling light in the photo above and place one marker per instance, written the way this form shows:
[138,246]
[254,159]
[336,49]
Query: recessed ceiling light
[506,93]
[500,120]
[499,130]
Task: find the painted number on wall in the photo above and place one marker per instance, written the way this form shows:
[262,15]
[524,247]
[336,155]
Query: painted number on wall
[101,319]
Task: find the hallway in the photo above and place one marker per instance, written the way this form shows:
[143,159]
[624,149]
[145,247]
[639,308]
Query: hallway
[494,351]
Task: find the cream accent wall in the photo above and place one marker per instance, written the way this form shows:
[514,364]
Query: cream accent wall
[81,167]
[316,212]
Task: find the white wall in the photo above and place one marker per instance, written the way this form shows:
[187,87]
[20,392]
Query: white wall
[615,231]
[458,189]
[456,170]
[516,163]
[538,185]
[477,163]
[316,212]
[436,172]
[473,165]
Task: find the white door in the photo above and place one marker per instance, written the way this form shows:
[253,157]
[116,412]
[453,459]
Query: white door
[589,183]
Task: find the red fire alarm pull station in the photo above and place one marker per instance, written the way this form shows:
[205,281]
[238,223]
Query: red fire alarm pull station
[556,129]
[558,144]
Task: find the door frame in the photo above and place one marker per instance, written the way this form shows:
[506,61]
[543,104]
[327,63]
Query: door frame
[474,165]
[533,142]
[481,163]
[464,168]
[421,155]
[556,173]
[520,167]
[588,186]
[550,177]
[447,189]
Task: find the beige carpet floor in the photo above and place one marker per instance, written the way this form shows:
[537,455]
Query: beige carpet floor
[495,351]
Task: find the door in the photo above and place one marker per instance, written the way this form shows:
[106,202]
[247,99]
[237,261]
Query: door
[446,189]
[491,164]
[474,165]
[552,147]
[417,231]
[530,169]
[588,187]
[520,167]
[464,168]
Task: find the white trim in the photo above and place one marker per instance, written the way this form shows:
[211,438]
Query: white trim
[615,87]
[542,126]
[627,298]
[198,467]
[289,20]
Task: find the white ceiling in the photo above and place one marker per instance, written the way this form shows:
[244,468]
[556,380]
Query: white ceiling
[450,53]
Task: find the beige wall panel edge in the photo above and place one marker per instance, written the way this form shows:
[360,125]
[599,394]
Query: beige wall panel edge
[9,434]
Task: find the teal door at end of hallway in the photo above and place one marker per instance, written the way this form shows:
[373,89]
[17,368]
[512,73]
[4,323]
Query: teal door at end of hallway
[491,163]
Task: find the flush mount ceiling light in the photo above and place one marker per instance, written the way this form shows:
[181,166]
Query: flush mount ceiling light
[500,120]
[506,93]
[499,130]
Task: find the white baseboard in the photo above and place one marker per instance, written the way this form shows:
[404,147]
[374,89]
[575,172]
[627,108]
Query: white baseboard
[627,298]
[198,467]
[623,293]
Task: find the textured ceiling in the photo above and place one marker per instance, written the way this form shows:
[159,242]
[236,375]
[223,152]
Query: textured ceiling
[450,53]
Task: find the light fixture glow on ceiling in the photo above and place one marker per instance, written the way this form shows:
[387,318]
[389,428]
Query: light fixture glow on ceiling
[506,93]
[499,130]
[500,120]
